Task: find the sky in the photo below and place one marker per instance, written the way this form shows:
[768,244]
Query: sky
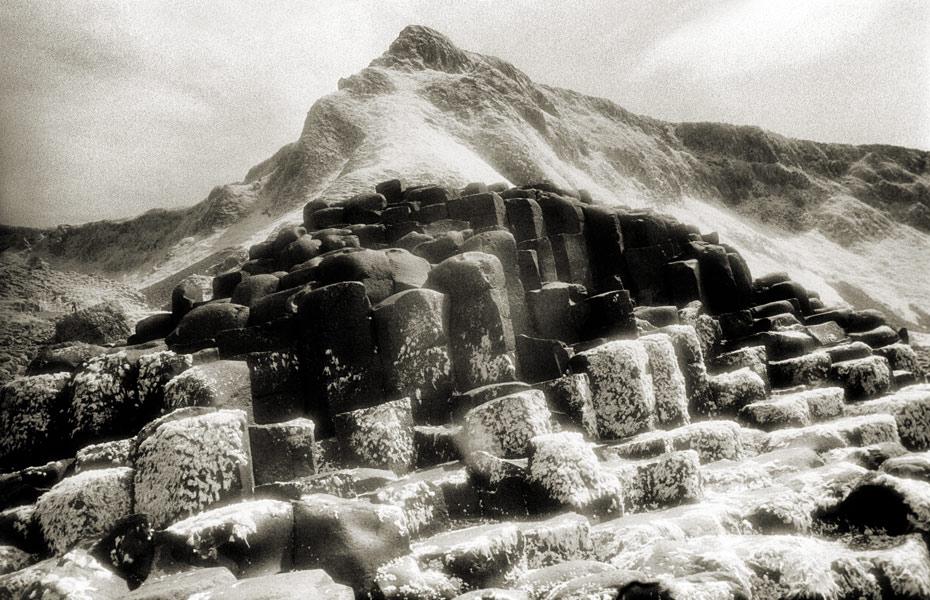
[111,108]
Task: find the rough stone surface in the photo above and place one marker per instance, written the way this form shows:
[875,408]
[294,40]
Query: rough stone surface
[504,426]
[380,436]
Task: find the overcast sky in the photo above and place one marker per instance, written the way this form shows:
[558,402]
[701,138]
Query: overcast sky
[108,109]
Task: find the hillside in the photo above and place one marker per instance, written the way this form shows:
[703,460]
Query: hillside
[849,221]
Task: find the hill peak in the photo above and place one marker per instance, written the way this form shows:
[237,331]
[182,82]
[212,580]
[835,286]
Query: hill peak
[418,47]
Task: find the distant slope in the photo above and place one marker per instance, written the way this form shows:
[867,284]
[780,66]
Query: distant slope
[838,217]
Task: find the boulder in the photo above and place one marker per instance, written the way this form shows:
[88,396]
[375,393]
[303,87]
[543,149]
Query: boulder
[254,288]
[379,436]
[155,371]
[481,336]
[621,384]
[862,377]
[341,351]
[403,578]
[525,218]
[504,426]
[105,455]
[463,402]
[31,418]
[478,555]
[153,327]
[251,538]
[790,411]
[568,470]
[571,402]
[911,410]
[220,384]
[671,400]
[83,506]
[480,209]
[103,399]
[392,190]
[278,384]
[542,359]
[199,327]
[502,245]
[349,539]
[187,463]
[99,324]
[809,369]
[70,577]
[183,585]
[412,334]
[283,451]
[729,392]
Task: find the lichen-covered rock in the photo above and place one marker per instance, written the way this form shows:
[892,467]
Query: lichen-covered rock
[188,464]
[504,426]
[712,440]
[349,539]
[753,357]
[30,409]
[254,536]
[421,501]
[84,505]
[571,402]
[221,384]
[621,383]
[668,480]
[75,576]
[911,410]
[808,369]
[379,436]
[862,377]
[155,371]
[900,357]
[103,398]
[729,392]
[479,555]
[540,582]
[567,468]
[707,328]
[562,538]
[190,388]
[667,381]
[99,324]
[790,411]
[104,456]
[822,403]
[13,559]
[864,430]
[412,331]
[403,579]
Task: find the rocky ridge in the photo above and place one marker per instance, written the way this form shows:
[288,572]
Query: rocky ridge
[476,392]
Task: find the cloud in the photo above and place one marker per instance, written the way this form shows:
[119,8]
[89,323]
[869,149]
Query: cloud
[747,36]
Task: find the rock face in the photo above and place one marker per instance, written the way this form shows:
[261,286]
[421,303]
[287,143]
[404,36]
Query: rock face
[98,324]
[426,391]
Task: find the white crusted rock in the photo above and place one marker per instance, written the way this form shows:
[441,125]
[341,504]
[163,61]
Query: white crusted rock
[256,536]
[808,369]
[911,409]
[85,505]
[421,501]
[900,357]
[75,576]
[479,555]
[790,411]
[668,480]
[13,559]
[729,392]
[567,468]
[104,456]
[379,436]
[504,426]
[186,464]
[552,541]
[103,398]
[155,371]
[712,440]
[667,380]
[190,388]
[403,578]
[621,382]
[29,408]
[863,377]
[572,402]
[864,430]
